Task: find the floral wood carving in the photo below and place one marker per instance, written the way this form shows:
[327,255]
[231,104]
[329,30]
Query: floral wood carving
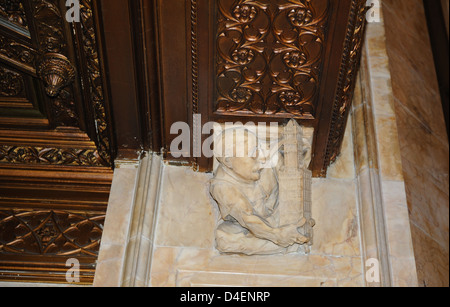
[13,11]
[95,82]
[53,62]
[53,66]
[56,233]
[11,83]
[49,23]
[50,156]
[270,56]
[18,53]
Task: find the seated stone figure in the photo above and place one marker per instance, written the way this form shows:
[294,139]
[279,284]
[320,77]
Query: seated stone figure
[247,196]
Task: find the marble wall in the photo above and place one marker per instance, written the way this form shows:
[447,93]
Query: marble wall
[379,166]
[185,254]
[422,135]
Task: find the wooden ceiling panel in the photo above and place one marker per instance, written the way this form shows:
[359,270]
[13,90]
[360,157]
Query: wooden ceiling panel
[56,140]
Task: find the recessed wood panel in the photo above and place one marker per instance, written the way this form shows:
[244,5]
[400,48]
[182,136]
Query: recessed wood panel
[56,140]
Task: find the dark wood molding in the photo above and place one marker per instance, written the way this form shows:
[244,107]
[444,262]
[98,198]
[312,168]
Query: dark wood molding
[145,36]
[437,29]
[120,69]
[338,85]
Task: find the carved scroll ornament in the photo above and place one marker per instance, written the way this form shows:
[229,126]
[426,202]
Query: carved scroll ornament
[270,56]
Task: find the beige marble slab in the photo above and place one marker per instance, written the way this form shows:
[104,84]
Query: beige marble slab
[390,158]
[382,96]
[419,146]
[411,63]
[186,216]
[432,260]
[115,233]
[344,167]
[335,210]
[197,267]
[428,203]
[185,254]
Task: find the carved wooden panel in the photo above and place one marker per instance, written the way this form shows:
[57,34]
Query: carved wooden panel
[48,216]
[259,61]
[56,148]
[48,232]
[19,54]
[49,156]
[62,67]
[269,57]
[14,12]
[11,84]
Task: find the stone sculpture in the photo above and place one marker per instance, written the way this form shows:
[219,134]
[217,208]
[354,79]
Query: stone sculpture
[264,210]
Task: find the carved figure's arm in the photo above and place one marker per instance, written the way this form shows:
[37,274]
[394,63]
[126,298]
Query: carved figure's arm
[241,210]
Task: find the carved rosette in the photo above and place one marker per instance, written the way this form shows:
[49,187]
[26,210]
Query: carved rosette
[269,56]
[56,72]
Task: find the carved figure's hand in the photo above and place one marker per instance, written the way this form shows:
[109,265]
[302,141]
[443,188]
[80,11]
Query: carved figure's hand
[290,235]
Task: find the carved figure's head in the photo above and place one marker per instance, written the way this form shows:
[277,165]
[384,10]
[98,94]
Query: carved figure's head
[238,150]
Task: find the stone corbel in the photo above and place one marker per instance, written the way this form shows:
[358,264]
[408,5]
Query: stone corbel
[265,208]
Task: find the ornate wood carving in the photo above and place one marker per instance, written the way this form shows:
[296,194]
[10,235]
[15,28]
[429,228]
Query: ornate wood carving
[95,79]
[19,54]
[53,61]
[346,82]
[54,180]
[269,56]
[50,156]
[13,11]
[260,61]
[48,232]
[57,72]
[194,55]
[14,91]
[54,67]
[48,20]
[11,83]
